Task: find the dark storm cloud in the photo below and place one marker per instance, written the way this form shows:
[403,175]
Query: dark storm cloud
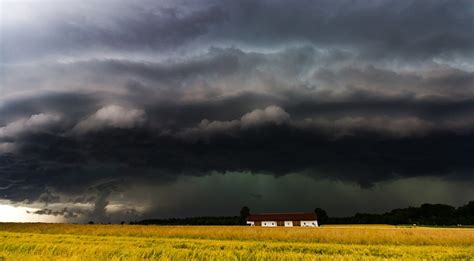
[22,107]
[96,140]
[65,212]
[409,29]
[261,141]
[448,82]
[376,29]
[220,64]
[242,81]
[117,93]
[75,28]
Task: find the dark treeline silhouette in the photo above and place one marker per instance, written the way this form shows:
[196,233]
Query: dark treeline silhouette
[426,214]
[201,221]
[196,221]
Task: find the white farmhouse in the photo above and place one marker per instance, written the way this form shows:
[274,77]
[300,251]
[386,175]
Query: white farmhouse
[283,220]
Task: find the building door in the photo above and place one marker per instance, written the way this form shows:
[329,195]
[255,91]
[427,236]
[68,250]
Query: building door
[297,223]
[258,223]
[281,223]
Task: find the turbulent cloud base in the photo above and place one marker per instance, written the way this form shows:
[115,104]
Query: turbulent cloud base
[118,94]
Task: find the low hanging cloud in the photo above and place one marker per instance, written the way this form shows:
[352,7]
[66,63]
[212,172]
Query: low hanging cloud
[269,115]
[65,212]
[395,127]
[335,127]
[7,147]
[89,204]
[112,116]
[35,124]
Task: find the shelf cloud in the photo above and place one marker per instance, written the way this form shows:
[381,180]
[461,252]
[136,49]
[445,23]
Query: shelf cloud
[99,97]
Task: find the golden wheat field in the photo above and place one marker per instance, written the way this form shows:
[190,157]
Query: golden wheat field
[127,242]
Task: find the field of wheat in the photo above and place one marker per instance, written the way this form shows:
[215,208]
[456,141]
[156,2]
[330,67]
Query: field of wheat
[127,242]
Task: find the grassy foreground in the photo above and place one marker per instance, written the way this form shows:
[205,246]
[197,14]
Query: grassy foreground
[117,242]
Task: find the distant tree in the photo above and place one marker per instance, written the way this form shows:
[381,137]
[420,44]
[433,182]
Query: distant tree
[244,213]
[322,215]
[123,222]
[91,223]
[465,214]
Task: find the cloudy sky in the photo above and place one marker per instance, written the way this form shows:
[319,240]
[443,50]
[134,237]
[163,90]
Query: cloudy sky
[123,110]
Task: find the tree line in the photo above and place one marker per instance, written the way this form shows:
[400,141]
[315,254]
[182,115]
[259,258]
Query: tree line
[426,214]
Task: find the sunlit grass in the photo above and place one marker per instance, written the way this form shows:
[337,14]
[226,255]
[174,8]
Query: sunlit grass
[123,242]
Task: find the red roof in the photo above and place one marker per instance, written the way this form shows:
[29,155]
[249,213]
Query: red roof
[282,217]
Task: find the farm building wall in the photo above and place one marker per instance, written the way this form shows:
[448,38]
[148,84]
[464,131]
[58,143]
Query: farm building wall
[269,223]
[309,223]
[304,223]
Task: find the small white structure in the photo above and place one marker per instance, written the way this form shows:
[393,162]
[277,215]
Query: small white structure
[283,220]
[313,223]
[269,224]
